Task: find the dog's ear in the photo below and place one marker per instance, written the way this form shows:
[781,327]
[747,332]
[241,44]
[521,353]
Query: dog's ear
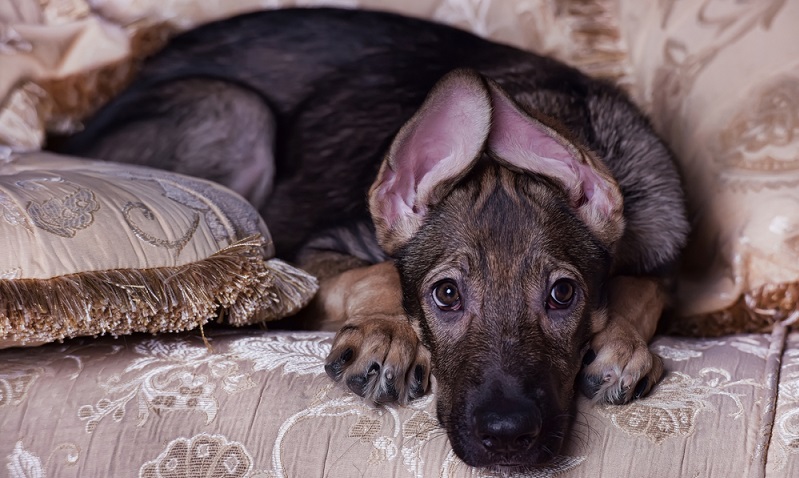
[432,151]
[523,142]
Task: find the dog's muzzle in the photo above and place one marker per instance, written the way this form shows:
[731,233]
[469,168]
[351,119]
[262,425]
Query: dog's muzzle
[504,423]
[506,426]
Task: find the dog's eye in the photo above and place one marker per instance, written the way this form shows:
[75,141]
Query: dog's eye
[561,294]
[446,295]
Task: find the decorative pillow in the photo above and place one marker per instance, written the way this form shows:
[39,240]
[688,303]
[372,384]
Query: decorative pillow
[93,247]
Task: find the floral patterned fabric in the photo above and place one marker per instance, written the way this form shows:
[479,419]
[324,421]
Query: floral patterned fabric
[258,404]
[718,79]
[783,450]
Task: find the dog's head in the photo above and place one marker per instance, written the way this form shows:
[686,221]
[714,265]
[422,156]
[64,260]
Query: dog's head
[503,232]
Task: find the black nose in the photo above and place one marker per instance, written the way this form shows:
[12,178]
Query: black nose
[505,425]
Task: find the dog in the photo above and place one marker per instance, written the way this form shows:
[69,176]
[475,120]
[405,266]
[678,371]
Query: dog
[474,211]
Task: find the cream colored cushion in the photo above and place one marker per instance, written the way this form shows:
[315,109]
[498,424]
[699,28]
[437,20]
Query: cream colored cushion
[260,405]
[91,247]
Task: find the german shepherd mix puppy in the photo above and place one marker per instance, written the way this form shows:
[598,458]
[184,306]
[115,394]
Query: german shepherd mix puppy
[473,210]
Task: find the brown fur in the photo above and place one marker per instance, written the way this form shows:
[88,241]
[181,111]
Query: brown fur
[624,368]
[365,306]
[507,251]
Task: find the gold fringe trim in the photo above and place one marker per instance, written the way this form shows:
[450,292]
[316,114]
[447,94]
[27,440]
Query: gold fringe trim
[598,47]
[757,311]
[236,284]
[73,98]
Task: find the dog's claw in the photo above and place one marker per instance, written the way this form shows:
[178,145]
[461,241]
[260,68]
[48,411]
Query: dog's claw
[389,392]
[418,384]
[336,367]
[380,359]
[641,388]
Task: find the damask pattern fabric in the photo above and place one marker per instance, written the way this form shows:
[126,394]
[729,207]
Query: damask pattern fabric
[258,404]
[783,450]
[718,78]
[720,81]
[72,208]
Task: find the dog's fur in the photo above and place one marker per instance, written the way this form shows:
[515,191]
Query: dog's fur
[530,214]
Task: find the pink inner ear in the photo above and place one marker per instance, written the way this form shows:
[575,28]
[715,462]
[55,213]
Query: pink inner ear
[439,143]
[531,146]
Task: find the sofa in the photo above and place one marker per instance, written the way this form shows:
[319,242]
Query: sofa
[121,384]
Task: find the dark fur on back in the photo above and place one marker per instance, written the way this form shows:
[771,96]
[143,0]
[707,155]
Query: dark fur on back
[338,84]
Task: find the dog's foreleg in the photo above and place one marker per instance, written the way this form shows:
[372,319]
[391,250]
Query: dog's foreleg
[619,365]
[376,352]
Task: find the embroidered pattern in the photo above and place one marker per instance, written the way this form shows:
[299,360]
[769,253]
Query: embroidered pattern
[178,375]
[185,191]
[671,410]
[201,456]
[167,378]
[14,385]
[455,468]
[18,374]
[785,440]
[301,355]
[755,150]
[24,464]
[12,213]
[178,244]
[66,216]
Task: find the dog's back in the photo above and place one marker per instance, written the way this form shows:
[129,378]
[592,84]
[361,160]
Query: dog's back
[333,87]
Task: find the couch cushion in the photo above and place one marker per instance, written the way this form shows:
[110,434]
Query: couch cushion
[260,404]
[93,247]
[783,449]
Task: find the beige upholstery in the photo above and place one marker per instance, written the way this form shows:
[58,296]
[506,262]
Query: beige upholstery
[260,405]
[720,81]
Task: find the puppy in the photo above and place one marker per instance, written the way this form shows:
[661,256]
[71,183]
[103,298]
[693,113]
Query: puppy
[473,210]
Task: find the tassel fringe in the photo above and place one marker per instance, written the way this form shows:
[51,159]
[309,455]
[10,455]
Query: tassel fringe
[235,284]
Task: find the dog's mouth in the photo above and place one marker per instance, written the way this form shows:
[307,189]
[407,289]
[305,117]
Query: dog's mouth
[530,460]
[512,467]
[537,456]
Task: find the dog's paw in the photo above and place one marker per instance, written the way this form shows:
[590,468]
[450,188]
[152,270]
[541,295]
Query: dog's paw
[380,359]
[619,366]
